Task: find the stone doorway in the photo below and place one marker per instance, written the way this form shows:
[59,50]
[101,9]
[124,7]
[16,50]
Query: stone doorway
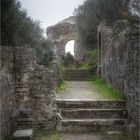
[69,48]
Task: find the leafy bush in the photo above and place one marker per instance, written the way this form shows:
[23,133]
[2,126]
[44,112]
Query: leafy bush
[92,12]
[19,30]
[87,23]
[110,9]
[45,53]
[91,61]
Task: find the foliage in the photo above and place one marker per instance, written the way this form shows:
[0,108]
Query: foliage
[110,9]
[91,61]
[45,53]
[89,15]
[87,23]
[106,90]
[62,86]
[19,30]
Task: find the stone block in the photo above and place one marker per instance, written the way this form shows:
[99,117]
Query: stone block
[23,134]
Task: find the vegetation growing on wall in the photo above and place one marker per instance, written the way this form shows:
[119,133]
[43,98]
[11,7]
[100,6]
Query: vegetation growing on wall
[19,30]
[91,61]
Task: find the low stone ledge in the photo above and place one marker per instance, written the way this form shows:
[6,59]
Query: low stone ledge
[23,134]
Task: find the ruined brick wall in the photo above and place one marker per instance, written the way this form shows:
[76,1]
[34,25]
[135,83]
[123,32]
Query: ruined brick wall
[63,32]
[7,92]
[27,91]
[35,87]
[119,64]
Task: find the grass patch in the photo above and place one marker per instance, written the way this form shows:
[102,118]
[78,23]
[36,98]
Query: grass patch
[85,67]
[105,90]
[62,87]
[42,134]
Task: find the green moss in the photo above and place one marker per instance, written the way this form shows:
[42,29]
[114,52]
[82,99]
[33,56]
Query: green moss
[42,134]
[91,61]
[62,87]
[85,67]
[106,90]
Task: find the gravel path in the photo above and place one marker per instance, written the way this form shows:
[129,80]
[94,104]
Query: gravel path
[79,90]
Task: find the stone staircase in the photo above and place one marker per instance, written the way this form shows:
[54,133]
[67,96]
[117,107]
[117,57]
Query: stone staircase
[91,115]
[76,75]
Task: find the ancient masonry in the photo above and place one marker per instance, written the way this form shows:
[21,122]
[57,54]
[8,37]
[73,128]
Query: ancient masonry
[119,62]
[27,91]
[63,32]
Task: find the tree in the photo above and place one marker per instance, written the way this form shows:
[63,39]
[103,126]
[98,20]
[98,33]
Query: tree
[86,23]
[45,53]
[89,15]
[10,22]
[18,29]
[110,9]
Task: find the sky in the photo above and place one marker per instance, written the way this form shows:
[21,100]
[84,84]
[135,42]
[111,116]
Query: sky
[50,12]
[70,47]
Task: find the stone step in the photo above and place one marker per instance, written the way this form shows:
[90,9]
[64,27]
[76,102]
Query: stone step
[90,103]
[93,113]
[77,72]
[24,123]
[26,134]
[75,75]
[76,78]
[91,125]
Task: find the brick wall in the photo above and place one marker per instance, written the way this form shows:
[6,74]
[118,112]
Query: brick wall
[7,92]
[27,91]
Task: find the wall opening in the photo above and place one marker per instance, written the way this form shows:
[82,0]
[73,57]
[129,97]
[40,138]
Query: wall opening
[70,47]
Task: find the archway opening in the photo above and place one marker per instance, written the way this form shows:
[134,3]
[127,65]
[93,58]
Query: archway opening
[70,47]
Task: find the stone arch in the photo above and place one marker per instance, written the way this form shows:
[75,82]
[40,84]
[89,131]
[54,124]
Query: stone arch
[63,32]
[69,47]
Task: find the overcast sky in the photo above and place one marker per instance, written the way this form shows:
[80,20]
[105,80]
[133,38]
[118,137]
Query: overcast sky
[49,12]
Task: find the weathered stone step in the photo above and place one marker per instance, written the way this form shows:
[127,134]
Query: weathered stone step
[93,125]
[25,123]
[93,113]
[90,103]
[76,75]
[23,134]
[72,78]
[77,72]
